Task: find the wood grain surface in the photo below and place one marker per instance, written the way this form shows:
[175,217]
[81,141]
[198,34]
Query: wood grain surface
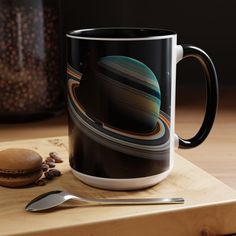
[210,207]
[217,155]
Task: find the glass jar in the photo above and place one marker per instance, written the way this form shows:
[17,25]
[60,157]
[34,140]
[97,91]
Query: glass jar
[30,59]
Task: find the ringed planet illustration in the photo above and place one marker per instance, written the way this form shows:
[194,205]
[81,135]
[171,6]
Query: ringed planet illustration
[134,94]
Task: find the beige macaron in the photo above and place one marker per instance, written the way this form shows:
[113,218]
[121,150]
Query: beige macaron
[19,167]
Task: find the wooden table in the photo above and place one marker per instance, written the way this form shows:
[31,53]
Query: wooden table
[217,156]
[209,208]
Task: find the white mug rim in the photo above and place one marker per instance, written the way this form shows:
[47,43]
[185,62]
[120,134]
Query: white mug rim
[75,34]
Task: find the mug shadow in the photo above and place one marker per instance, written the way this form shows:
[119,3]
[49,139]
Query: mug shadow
[73,185]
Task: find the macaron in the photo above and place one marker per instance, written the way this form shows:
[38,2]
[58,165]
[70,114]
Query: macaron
[19,167]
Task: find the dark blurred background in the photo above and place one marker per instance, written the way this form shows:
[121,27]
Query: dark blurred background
[209,25]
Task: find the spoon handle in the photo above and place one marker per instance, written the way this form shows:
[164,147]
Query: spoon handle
[138,201]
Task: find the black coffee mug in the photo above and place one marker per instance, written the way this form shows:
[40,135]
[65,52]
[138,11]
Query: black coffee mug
[121,102]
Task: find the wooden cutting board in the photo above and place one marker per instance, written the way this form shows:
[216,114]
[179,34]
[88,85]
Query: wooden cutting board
[210,207]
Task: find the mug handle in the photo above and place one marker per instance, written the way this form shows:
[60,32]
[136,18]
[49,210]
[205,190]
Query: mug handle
[186,51]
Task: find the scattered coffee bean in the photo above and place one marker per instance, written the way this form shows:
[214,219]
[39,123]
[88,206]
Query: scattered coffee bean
[30,57]
[51,164]
[48,175]
[41,182]
[55,172]
[45,167]
[55,156]
[49,159]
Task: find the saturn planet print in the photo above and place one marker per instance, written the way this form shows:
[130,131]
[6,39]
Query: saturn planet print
[131,129]
[133,90]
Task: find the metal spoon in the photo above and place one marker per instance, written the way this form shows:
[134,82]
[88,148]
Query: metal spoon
[55,198]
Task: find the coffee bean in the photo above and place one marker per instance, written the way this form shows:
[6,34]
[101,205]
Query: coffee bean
[41,182]
[30,58]
[45,167]
[55,156]
[51,164]
[49,159]
[55,172]
[48,175]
